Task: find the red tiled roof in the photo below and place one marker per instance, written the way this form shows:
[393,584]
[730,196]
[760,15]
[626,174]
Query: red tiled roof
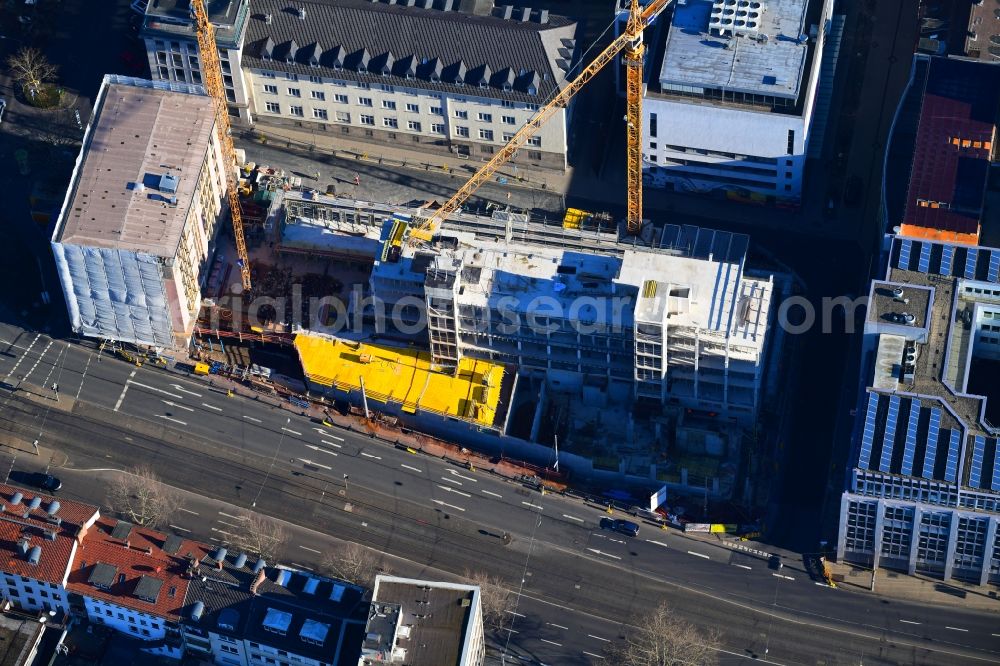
[134,562]
[56,554]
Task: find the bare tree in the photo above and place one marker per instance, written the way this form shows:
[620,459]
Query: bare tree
[494,598]
[258,535]
[140,496]
[661,638]
[31,68]
[353,563]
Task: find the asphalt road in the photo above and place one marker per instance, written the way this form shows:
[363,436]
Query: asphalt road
[433,513]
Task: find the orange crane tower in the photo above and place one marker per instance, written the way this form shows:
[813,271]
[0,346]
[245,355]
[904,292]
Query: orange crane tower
[211,75]
[629,43]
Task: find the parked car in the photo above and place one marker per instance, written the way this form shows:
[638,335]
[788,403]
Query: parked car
[626,527]
[46,482]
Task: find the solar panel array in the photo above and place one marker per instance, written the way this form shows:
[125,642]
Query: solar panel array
[933,430]
[930,257]
[976,469]
[951,470]
[868,438]
[889,438]
[906,468]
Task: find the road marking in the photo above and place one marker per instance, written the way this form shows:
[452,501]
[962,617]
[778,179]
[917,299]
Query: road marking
[368,455]
[193,513]
[339,439]
[591,654]
[229,515]
[955,628]
[452,490]
[293,432]
[912,622]
[450,506]
[174,404]
[222,522]
[557,626]
[314,464]
[467,478]
[513,631]
[222,531]
[533,506]
[300,566]
[184,390]
[451,480]
[594,550]
[250,418]
[79,389]
[658,543]
[124,391]
[321,449]
[702,555]
[151,388]
[994,634]
[411,467]
[490,492]
[167,418]
[23,356]
[743,566]
[205,404]
[777,575]
[333,444]
[178,528]
[606,640]
[566,515]
[515,613]
[311,550]
[38,360]
[545,640]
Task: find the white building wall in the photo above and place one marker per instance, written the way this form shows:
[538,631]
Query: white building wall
[33,595]
[137,624]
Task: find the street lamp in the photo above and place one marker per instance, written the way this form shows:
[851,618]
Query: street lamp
[346,489]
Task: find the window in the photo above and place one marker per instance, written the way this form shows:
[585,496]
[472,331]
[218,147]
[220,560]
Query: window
[363,85]
[229,648]
[791,142]
[413,108]
[367,120]
[121,616]
[390,122]
[107,612]
[320,114]
[386,88]
[316,79]
[461,115]
[340,99]
[534,155]
[652,145]
[507,104]
[319,94]
[509,120]
[652,125]
[486,135]
[145,632]
[486,150]
[296,111]
[437,128]
[507,136]
[271,90]
[294,92]
[437,111]
[535,141]
[789,163]
[388,104]
[266,74]
[291,77]
[413,125]
[462,131]
[365,101]
[531,107]
[343,117]
[485,117]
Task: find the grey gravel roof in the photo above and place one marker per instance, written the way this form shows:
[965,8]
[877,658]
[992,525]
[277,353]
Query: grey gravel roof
[424,41]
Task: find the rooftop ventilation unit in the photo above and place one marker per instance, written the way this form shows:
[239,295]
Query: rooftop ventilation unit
[897,292]
[302,13]
[735,16]
[259,565]
[34,555]
[16,498]
[241,561]
[284,575]
[197,610]
[311,585]
[168,183]
[34,503]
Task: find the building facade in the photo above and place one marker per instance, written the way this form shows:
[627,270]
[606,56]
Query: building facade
[140,218]
[923,494]
[729,107]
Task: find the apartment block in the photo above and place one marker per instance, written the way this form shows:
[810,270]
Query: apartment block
[923,494]
[141,215]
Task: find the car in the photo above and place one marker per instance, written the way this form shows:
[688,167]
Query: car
[46,482]
[626,527]
[3,107]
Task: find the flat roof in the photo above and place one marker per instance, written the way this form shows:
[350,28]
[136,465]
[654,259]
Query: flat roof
[767,61]
[982,39]
[140,133]
[404,376]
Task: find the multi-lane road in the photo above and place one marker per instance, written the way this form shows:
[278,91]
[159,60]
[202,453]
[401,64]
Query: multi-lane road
[576,582]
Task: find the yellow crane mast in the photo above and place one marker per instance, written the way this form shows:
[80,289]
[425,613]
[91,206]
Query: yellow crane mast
[211,76]
[629,42]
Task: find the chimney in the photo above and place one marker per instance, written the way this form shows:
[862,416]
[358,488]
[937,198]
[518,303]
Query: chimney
[525,14]
[261,575]
[149,550]
[302,13]
[128,544]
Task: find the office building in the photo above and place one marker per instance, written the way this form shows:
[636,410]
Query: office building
[982,39]
[923,494]
[141,214]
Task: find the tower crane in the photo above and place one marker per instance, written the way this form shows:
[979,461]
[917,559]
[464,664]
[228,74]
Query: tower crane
[631,46]
[211,74]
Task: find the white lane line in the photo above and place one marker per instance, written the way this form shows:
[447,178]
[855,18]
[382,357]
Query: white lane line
[314,464]
[467,478]
[229,515]
[222,522]
[37,360]
[411,467]
[321,450]
[557,626]
[333,444]
[300,566]
[591,654]
[743,566]
[23,356]
[515,613]
[702,555]
[994,634]
[311,550]
[594,550]
[339,439]
[177,528]
[184,390]
[545,640]
[658,543]
[167,418]
[222,531]
[450,506]
[208,406]
[490,492]
[912,622]
[152,388]
[452,490]
[193,513]
[606,640]
[513,631]
[368,455]
[451,480]
[777,575]
[174,404]
[955,628]
[290,431]
[79,389]
[533,506]
[124,391]
[250,418]
[566,515]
